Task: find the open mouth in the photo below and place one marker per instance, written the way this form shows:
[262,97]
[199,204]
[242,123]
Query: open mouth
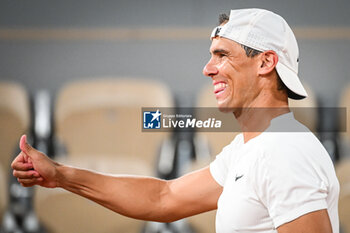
[219,88]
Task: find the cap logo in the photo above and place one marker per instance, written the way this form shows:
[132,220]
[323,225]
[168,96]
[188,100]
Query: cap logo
[215,32]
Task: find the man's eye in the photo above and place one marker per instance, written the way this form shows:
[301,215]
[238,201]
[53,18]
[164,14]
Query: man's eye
[222,55]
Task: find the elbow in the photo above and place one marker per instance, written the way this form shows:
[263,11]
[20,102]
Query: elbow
[168,209]
[168,217]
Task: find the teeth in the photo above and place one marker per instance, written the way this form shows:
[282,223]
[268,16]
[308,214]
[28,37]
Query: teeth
[220,86]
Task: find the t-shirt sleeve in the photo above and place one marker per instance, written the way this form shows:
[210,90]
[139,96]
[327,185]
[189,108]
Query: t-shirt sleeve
[219,167]
[289,186]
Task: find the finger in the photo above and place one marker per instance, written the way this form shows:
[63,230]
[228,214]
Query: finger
[19,158]
[27,185]
[20,166]
[21,143]
[26,174]
[25,147]
[31,181]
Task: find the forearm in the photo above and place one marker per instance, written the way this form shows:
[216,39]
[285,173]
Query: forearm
[137,197]
[132,196]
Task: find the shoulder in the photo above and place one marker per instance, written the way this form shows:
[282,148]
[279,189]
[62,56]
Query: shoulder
[294,152]
[288,156]
[285,144]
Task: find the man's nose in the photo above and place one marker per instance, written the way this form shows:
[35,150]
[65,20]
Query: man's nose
[210,69]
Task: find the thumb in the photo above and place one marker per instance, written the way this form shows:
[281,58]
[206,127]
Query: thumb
[25,147]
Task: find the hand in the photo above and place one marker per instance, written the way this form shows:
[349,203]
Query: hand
[32,167]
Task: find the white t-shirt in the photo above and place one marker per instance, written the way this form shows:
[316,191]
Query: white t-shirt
[273,179]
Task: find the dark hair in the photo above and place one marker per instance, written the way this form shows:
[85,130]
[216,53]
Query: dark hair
[250,52]
[223,18]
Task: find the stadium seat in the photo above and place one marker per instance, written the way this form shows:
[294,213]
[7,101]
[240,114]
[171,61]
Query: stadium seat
[345,124]
[104,116]
[99,122]
[3,192]
[14,120]
[343,174]
[343,166]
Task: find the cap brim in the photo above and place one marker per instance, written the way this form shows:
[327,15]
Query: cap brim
[291,80]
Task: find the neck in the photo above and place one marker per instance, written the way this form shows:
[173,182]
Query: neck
[256,118]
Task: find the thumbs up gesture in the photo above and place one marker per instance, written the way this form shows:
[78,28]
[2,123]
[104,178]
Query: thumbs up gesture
[32,167]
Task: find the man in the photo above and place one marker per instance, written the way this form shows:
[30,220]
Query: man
[264,181]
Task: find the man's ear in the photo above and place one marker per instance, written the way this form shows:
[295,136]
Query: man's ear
[268,62]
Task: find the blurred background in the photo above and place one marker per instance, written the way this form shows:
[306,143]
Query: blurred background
[72,73]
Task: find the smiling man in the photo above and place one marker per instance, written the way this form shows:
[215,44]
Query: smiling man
[265,181]
[272,179]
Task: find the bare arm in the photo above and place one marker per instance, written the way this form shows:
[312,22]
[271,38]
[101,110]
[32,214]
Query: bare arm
[314,222]
[144,197]
[134,196]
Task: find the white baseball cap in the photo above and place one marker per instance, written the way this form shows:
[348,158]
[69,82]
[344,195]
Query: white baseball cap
[264,30]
